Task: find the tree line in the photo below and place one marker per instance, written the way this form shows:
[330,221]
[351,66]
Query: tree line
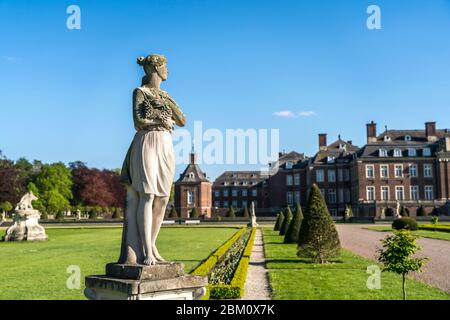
[61,188]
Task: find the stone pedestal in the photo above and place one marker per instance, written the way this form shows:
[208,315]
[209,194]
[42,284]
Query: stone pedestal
[26,227]
[165,281]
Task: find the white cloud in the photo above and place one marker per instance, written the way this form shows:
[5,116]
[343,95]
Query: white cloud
[285,114]
[307,114]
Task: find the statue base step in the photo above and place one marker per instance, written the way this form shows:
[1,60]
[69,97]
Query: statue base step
[165,281]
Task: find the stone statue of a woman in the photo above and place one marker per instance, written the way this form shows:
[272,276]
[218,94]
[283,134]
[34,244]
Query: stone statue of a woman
[149,166]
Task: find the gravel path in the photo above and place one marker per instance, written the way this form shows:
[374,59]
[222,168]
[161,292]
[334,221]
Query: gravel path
[365,243]
[257,282]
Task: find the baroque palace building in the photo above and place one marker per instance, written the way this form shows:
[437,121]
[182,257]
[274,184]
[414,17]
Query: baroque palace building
[408,168]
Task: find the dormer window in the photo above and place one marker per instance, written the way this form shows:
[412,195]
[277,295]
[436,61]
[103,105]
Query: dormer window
[397,152]
[191,175]
[288,164]
[225,183]
[330,159]
[426,152]
[408,138]
[387,139]
[244,183]
[412,152]
[343,146]
[382,153]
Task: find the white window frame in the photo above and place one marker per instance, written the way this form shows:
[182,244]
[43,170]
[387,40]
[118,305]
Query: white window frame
[225,192]
[368,166]
[382,153]
[254,193]
[398,153]
[426,152]
[289,164]
[244,204]
[395,171]
[217,193]
[320,175]
[289,180]
[332,196]
[225,204]
[414,193]
[387,171]
[413,173]
[244,192]
[388,193]
[412,152]
[429,193]
[234,193]
[331,175]
[370,190]
[297,179]
[428,170]
[402,188]
[190,197]
[290,198]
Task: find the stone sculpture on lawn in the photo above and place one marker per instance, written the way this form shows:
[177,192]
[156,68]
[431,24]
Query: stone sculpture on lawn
[148,171]
[26,222]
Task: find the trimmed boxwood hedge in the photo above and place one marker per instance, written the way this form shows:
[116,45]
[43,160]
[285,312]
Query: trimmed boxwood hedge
[442,228]
[405,223]
[235,289]
[206,266]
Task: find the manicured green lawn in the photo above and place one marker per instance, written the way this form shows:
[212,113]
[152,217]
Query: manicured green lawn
[344,279]
[37,270]
[419,233]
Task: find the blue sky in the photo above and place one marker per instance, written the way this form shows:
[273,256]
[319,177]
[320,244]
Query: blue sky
[65,95]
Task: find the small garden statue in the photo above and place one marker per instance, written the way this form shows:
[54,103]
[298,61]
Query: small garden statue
[26,225]
[252,216]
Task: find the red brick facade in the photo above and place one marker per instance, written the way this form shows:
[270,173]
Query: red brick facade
[408,168]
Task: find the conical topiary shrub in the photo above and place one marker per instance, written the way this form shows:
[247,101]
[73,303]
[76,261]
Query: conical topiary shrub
[279,221]
[287,220]
[421,212]
[294,227]
[230,213]
[194,213]
[173,213]
[318,238]
[403,212]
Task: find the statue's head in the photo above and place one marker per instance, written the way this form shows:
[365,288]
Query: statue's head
[154,64]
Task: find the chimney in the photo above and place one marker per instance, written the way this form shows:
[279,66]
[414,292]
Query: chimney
[350,142]
[371,132]
[322,141]
[193,158]
[430,131]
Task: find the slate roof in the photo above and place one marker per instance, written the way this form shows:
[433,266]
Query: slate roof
[339,151]
[193,174]
[417,136]
[298,160]
[252,178]
[416,140]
